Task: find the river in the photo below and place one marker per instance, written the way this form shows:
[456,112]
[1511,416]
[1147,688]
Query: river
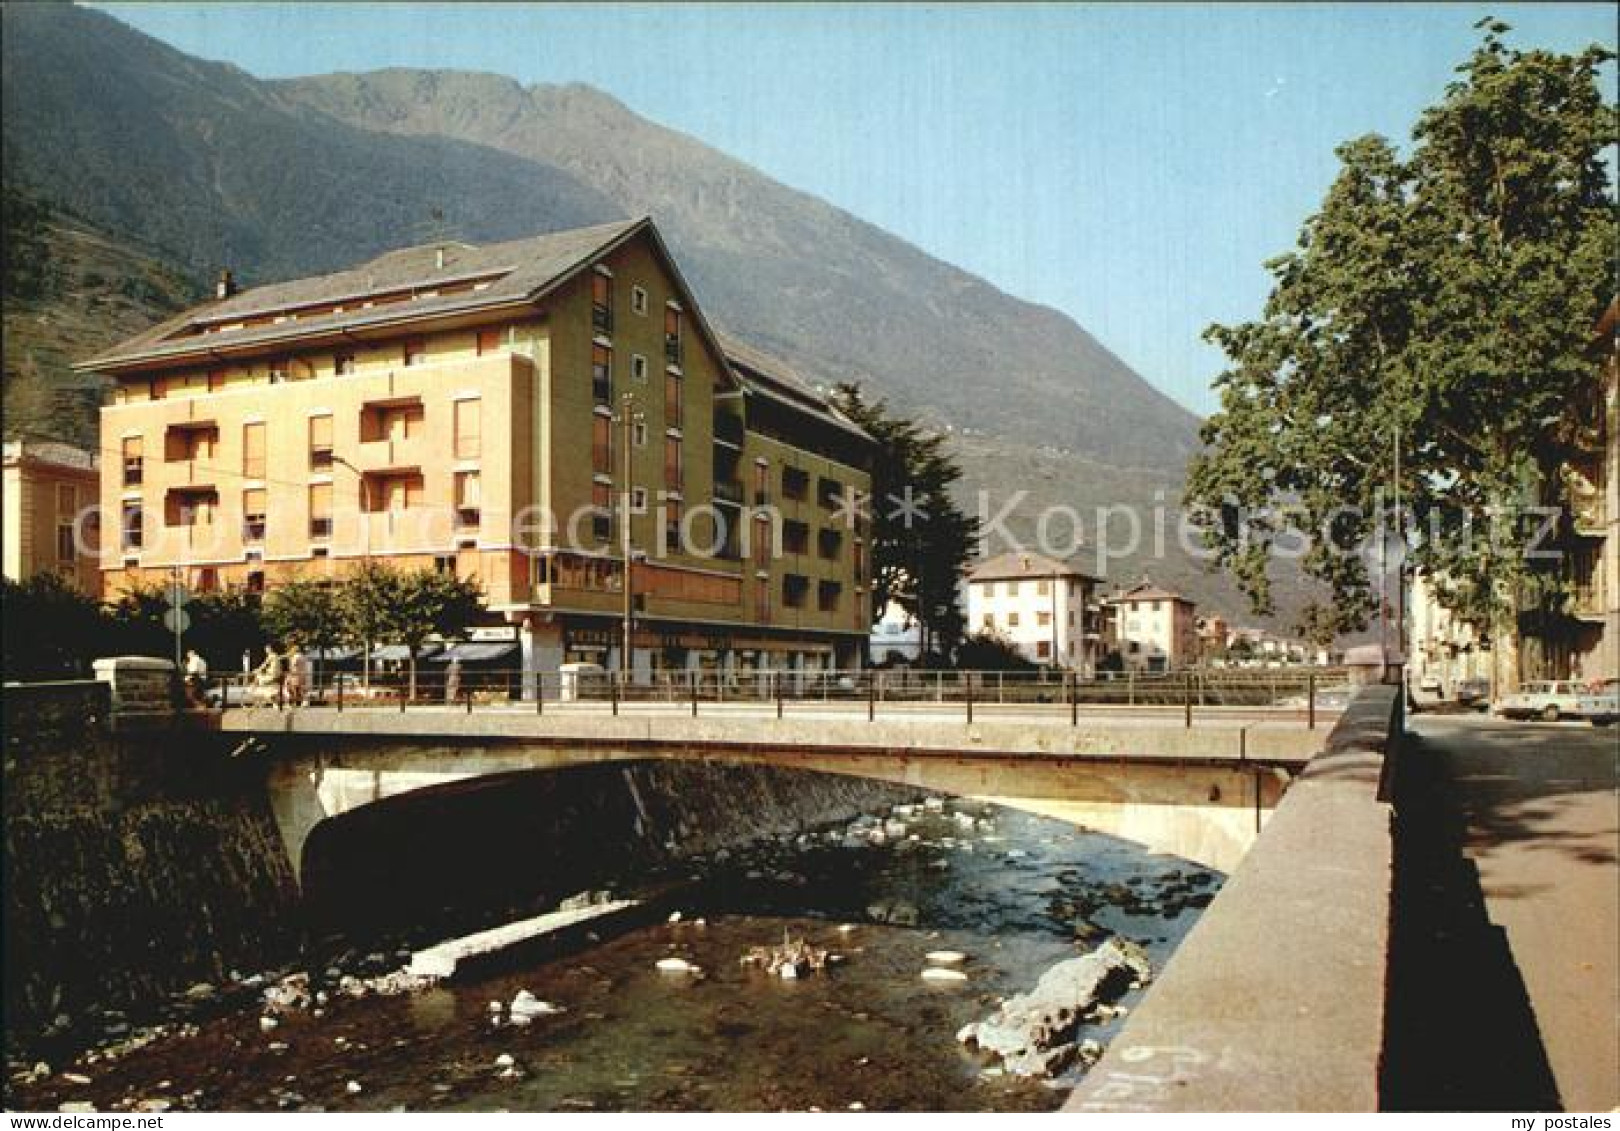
[1014,892]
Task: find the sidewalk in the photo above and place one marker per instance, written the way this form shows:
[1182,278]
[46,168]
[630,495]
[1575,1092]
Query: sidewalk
[1538,817]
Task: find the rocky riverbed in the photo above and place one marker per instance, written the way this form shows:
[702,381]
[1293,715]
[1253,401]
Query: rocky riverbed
[667,1015]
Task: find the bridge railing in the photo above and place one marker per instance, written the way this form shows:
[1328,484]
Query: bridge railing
[1300,693]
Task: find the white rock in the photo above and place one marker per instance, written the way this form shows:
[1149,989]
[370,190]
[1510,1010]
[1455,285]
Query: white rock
[674,917]
[75,1078]
[676,966]
[76,1108]
[846,928]
[946,957]
[496,1007]
[504,1060]
[526,1005]
[267,1023]
[788,971]
[943,974]
[353,1088]
[934,804]
[857,1106]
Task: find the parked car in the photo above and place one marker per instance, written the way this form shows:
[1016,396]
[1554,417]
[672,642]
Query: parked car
[1473,692]
[1600,706]
[1549,700]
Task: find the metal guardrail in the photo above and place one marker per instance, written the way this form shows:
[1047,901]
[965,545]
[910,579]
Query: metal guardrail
[1299,694]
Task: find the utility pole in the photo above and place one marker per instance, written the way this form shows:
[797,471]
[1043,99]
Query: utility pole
[628,419]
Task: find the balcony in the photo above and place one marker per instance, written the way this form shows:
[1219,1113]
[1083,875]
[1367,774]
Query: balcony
[728,429]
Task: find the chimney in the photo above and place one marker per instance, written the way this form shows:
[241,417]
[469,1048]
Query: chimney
[226,287]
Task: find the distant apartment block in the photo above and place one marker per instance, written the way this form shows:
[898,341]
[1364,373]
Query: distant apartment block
[51,515]
[1040,606]
[493,411]
[1155,629]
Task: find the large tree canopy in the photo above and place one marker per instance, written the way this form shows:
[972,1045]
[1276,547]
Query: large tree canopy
[1437,315]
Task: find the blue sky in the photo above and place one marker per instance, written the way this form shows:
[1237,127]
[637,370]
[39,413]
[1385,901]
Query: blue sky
[1131,165]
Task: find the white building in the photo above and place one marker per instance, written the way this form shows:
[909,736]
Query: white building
[1443,645]
[1156,629]
[896,637]
[1038,605]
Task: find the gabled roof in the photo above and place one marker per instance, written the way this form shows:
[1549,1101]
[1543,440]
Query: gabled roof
[769,376]
[1017,565]
[478,279]
[1145,590]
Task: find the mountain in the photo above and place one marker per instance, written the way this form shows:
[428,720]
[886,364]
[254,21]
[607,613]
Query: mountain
[208,166]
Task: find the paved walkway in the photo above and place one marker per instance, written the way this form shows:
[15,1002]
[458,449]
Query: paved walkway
[1540,821]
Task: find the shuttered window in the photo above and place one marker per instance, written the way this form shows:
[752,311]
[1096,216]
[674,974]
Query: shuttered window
[469,424]
[672,462]
[320,443]
[253,450]
[320,510]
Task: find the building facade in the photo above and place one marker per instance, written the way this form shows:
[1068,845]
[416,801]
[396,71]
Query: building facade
[1156,629]
[1040,606]
[52,520]
[1592,479]
[497,412]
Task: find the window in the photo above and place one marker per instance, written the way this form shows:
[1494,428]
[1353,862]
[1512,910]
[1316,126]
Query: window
[190,507]
[467,495]
[829,492]
[638,433]
[795,537]
[253,450]
[320,510]
[638,367]
[794,590]
[487,342]
[860,561]
[1012,620]
[795,483]
[133,463]
[445,564]
[638,500]
[672,462]
[762,541]
[1043,588]
[253,514]
[343,364]
[469,428]
[674,400]
[1043,619]
[132,525]
[762,484]
[185,442]
[762,599]
[320,443]
[1043,649]
[829,543]
[602,505]
[393,493]
[602,375]
[827,596]
[255,581]
[672,335]
[415,351]
[216,380]
[638,301]
[67,506]
[672,526]
[602,444]
[989,620]
[602,303]
[280,370]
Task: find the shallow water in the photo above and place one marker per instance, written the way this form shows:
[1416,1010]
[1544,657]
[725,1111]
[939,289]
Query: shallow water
[1016,893]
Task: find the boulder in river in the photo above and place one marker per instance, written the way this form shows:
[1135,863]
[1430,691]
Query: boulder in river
[1034,1033]
[526,1005]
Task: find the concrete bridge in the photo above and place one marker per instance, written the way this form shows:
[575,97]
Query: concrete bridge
[1200,792]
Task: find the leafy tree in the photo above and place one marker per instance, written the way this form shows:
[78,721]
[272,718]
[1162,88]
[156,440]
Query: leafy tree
[985,652]
[307,611]
[365,600]
[1437,315]
[51,629]
[27,268]
[430,603]
[921,541]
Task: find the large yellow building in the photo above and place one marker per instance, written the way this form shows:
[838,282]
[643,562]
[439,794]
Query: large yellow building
[476,410]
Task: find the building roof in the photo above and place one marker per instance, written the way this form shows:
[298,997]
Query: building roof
[1145,590]
[1019,564]
[52,452]
[769,376]
[431,281]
